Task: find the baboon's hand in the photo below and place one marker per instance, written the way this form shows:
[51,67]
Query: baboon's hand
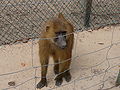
[42,83]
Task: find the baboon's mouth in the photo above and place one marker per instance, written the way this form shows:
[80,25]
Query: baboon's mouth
[62,47]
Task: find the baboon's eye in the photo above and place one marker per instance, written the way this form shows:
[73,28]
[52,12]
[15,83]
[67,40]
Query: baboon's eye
[55,39]
[57,33]
[61,32]
[64,32]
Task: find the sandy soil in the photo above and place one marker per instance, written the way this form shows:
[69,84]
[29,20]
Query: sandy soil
[95,62]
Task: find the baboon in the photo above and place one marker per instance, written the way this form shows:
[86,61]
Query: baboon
[59,44]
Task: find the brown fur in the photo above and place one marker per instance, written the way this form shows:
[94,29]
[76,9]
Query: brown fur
[48,48]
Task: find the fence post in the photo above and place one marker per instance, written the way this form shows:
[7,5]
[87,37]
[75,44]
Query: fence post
[118,80]
[87,13]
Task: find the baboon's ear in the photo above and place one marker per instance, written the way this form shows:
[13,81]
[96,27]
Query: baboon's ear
[47,28]
[60,15]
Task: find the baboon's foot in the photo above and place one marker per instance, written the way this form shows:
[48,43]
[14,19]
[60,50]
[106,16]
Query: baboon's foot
[42,83]
[58,80]
[67,76]
[56,69]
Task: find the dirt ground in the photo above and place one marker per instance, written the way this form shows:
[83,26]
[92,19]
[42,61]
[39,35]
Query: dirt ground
[95,64]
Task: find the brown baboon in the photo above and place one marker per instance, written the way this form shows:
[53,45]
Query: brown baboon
[59,47]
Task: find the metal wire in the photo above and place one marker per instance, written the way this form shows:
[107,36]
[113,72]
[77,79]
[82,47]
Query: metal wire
[21,20]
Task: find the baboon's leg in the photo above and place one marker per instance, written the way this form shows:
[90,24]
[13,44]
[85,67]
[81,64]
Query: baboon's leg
[64,65]
[44,66]
[56,62]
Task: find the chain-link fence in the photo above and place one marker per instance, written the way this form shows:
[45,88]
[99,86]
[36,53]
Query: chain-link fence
[21,20]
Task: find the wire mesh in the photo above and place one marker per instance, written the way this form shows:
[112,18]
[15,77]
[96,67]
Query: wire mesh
[22,19]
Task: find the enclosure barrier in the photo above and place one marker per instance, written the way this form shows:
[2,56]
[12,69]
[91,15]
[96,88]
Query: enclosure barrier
[21,21]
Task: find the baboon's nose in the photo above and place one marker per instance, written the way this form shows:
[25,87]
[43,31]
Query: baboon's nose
[64,46]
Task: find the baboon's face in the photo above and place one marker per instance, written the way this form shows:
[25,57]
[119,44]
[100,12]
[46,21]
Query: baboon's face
[56,29]
[60,39]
